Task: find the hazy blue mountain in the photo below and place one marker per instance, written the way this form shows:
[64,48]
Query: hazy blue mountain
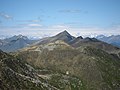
[1,42]
[114,39]
[14,43]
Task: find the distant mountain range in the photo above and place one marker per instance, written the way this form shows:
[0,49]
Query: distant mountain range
[114,39]
[14,43]
[61,62]
[18,42]
[78,42]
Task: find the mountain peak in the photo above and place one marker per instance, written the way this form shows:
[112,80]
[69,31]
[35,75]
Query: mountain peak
[80,37]
[64,32]
[20,35]
[17,37]
[64,36]
[91,39]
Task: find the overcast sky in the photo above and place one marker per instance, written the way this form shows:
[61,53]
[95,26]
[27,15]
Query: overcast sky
[47,17]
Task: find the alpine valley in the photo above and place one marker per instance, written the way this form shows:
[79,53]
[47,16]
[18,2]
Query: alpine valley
[60,62]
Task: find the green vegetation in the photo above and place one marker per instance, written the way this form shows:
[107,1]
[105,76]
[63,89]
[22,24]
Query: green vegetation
[96,68]
[109,66]
[16,74]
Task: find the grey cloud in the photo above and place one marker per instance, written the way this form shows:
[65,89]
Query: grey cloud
[5,16]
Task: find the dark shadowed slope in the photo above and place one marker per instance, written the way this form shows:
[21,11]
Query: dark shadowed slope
[93,42]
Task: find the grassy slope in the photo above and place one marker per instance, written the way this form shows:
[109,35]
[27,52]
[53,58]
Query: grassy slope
[16,74]
[97,69]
